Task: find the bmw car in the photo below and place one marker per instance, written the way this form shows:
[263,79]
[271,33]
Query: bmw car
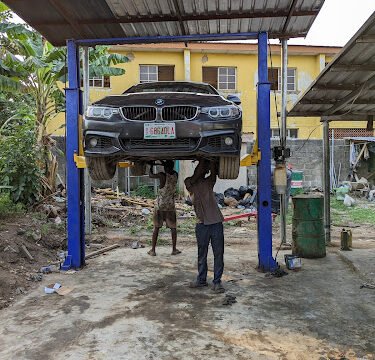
[161,121]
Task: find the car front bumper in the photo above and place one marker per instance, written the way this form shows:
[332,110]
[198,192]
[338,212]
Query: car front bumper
[194,138]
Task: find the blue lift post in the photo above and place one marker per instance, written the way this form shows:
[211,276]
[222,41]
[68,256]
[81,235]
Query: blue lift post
[75,230]
[265,260]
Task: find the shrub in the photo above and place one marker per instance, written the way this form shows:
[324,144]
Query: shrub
[19,159]
[144,191]
[8,207]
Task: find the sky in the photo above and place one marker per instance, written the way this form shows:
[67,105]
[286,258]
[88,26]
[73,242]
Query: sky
[337,22]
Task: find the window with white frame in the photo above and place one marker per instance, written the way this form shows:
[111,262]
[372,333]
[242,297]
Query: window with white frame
[221,78]
[148,73]
[227,78]
[99,81]
[274,77]
[290,133]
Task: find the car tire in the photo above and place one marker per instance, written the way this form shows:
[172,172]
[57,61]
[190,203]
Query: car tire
[100,168]
[138,169]
[229,167]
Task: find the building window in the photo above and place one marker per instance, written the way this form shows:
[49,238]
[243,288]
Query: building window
[221,78]
[149,73]
[290,133]
[274,77]
[99,81]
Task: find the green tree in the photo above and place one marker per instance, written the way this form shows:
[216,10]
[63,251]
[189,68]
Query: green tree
[31,70]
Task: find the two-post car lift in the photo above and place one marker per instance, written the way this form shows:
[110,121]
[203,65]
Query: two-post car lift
[261,156]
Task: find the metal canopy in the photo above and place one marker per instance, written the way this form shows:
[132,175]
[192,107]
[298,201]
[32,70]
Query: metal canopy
[345,89]
[104,19]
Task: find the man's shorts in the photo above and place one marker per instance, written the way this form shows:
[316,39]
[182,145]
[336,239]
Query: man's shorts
[161,216]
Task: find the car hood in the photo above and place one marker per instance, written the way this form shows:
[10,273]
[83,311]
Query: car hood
[169,99]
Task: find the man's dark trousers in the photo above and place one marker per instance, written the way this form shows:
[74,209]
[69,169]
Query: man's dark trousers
[204,234]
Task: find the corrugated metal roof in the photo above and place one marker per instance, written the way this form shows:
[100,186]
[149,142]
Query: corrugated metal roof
[345,89]
[97,19]
[361,138]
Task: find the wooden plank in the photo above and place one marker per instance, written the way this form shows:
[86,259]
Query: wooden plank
[26,252]
[101,251]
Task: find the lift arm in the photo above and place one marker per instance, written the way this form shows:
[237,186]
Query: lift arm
[81,162]
[253,158]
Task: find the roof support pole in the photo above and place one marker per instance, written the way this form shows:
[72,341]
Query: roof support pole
[284,75]
[266,261]
[75,229]
[326,182]
[86,102]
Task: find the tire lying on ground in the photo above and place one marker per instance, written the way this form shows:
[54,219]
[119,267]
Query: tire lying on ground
[100,168]
[138,169]
[229,167]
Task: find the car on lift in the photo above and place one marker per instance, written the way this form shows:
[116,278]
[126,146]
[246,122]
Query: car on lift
[163,120]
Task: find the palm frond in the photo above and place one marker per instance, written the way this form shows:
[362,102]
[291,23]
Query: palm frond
[8,84]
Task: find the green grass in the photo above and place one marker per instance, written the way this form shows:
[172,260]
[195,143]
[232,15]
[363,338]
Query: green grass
[144,191]
[8,208]
[361,213]
[289,217]
[186,226]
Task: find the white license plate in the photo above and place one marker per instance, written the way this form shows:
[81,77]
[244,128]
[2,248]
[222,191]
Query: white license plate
[159,131]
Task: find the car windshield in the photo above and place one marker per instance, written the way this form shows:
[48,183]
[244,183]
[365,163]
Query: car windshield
[172,87]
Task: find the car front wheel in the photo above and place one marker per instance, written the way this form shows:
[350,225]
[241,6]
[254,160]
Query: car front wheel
[229,167]
[100,168]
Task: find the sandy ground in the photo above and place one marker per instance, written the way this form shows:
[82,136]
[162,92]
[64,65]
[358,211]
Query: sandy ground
[127,305]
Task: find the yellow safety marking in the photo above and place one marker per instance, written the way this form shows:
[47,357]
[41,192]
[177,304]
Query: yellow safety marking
[80,161]
[124,164]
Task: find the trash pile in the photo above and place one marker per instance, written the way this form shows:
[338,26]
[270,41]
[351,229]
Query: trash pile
[242,198]
[360,188]
[54,205]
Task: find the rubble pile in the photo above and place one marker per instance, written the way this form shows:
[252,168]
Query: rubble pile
[108,204]
[360,189]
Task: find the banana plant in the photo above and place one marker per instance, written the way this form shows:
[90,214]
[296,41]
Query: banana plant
[31,68]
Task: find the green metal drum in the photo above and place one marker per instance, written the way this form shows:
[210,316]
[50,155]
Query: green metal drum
[308,226]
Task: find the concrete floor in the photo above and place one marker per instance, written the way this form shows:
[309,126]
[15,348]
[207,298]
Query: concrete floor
[127,305]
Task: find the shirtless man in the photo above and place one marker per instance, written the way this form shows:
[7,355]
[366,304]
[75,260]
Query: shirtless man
[165,210]
[209,225]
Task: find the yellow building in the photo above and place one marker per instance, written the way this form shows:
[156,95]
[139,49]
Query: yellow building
[232,69]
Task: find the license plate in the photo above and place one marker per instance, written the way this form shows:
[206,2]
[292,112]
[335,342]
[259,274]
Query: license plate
[159,131]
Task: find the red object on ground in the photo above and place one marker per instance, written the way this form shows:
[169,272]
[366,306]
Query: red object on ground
[253,214]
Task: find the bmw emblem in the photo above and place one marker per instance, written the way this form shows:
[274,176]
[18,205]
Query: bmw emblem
[159,102]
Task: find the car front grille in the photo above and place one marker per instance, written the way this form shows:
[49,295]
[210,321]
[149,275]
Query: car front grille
[168,113]
[162,144]
[175,113]
[141,113]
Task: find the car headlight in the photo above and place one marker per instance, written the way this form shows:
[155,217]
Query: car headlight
[218,112]
[101,111]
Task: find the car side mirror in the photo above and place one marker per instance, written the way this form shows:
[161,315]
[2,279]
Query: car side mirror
[234,99]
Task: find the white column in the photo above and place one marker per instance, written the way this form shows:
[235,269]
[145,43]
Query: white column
[187,64]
